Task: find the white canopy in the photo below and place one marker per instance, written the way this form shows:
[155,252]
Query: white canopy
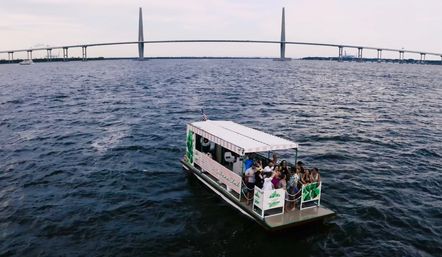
[238,138]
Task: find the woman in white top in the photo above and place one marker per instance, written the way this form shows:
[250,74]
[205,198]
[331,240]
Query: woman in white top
[268,185]
[269,168]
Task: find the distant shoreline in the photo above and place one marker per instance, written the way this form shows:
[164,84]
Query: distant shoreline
[408,61]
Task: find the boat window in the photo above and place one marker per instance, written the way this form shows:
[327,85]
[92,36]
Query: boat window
[203,144]
[228,157]
[198,142]
[219,153]
[223,156]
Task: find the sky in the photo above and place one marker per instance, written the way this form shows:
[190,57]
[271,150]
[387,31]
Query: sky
[408,24]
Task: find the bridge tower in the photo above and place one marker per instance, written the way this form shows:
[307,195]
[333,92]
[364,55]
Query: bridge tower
[282,44]
[140,36]
[282,56]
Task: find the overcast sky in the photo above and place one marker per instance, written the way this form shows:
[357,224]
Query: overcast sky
[409,24]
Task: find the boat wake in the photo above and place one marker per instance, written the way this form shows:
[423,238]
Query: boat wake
[112,136]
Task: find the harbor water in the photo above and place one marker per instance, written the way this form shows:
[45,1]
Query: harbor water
[89,156]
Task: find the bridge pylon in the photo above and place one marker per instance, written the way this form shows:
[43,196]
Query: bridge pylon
[282,56]
[140,36]
[282,44]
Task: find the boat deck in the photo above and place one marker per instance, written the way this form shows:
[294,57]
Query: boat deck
[287,219]
[295,217]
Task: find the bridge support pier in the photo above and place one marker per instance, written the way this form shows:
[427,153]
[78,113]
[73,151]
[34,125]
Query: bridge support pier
[65,53]
[340,53]
[422,58]
[379,55]
[401,56]
[29,54]
[360,53]
[11,56]
[49,55]
[84,53]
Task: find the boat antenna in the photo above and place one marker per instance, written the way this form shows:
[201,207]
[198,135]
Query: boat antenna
[204,115]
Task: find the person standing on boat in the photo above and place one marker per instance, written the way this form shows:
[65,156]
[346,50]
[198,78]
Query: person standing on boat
[284,168]
[315,176]
[275,158]
[293,186]
[283,185]
[276,177]
[297,177]
[306,178]
[300,165]
[268,182]
[259,178]
[269,168]
[282,182]
[250,182]
[259,166]
[248,163]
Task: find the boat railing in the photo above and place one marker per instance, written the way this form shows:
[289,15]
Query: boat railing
[310,196]
[220,174]
[268,203]
[265,202]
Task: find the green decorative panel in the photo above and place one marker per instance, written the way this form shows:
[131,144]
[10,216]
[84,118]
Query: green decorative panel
[190,144]
[311,192]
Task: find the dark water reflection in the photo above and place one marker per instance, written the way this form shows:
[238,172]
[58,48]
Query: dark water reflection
[89,156]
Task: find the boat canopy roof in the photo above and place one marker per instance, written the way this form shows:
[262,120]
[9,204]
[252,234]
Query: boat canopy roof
[238,138]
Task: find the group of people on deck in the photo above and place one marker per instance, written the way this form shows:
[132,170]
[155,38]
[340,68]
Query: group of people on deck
[279,176]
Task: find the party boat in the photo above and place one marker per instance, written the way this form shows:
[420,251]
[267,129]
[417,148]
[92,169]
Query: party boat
[217,154]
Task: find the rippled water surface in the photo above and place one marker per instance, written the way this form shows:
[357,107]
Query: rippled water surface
[89,156]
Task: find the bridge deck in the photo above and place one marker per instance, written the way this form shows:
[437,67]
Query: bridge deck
[222,41]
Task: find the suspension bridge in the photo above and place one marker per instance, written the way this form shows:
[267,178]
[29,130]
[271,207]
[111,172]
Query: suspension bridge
[282,43]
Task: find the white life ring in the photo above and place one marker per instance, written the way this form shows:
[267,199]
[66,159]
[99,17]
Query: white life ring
[228,157]
[205,141]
